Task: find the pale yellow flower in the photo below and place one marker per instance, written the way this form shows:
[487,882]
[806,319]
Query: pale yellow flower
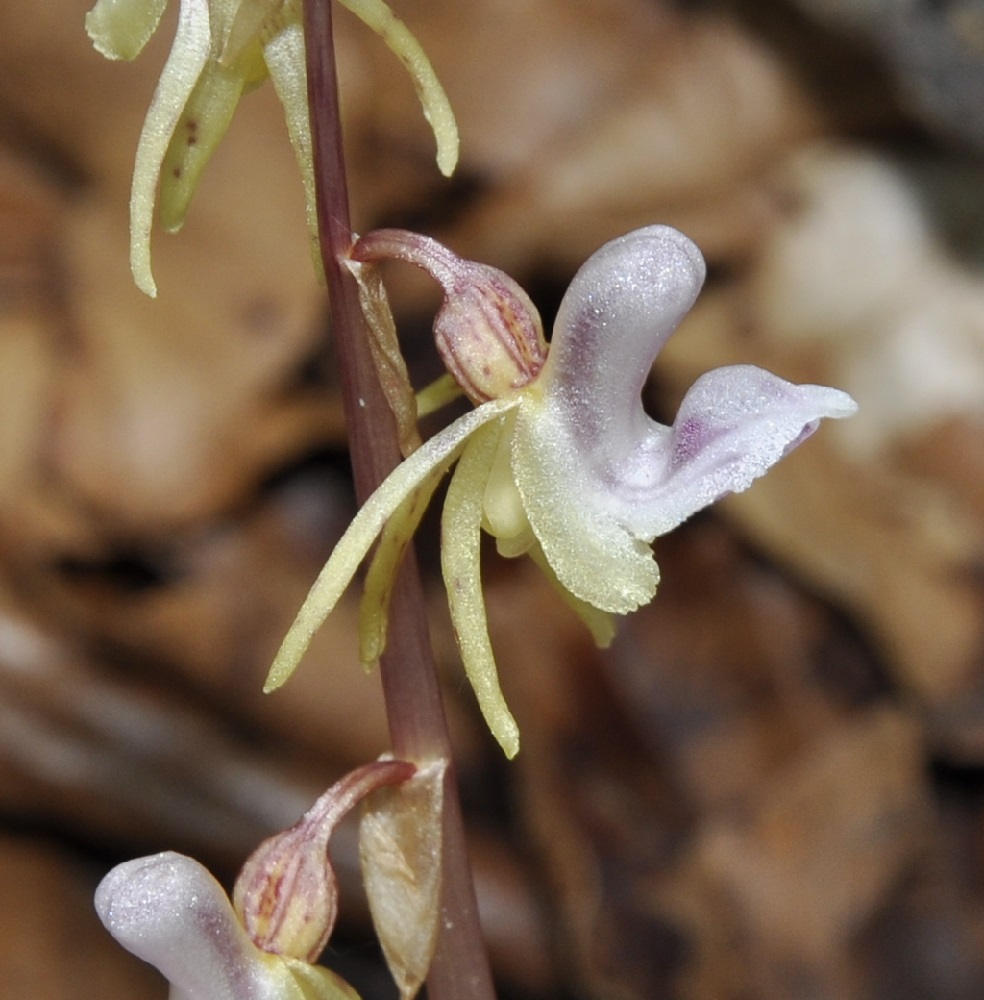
[559,460]
[168,909]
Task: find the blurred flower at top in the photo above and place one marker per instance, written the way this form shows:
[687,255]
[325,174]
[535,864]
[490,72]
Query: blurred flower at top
[223,48]
[559,460]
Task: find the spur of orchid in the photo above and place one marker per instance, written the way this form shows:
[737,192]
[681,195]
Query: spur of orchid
[559,460]
[223,48]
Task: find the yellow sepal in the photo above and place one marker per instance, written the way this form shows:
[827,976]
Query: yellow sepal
[461,565]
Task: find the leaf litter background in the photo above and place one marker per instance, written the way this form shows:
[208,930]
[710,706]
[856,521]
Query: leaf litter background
[773,785]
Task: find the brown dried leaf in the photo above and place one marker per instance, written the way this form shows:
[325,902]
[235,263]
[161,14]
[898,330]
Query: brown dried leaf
[54,947]
[781,887]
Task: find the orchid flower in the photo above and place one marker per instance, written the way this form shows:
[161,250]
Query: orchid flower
[223,48]
[168,910]
[559,460]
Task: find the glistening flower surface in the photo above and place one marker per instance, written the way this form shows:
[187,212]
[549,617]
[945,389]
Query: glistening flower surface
[168,910]
[568,467]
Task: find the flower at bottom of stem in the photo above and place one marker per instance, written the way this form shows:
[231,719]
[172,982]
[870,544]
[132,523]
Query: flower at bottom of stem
[169,911]
[567,467]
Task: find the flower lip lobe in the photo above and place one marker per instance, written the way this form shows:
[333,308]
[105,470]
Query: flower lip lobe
[169,911]
[157,908]
[599,478]
[620,309]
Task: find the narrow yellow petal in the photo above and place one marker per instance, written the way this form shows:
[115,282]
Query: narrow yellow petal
[207,114]
[461,565]
[283,52]
[253,19]
[437,108]
[439,451]
[181,72]
[119,29]
[504,516]
[303,981]
[381,575]
[203,123]
[437,394]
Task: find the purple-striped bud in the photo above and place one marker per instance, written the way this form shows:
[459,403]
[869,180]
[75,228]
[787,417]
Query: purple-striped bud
[286,894]
[488,332]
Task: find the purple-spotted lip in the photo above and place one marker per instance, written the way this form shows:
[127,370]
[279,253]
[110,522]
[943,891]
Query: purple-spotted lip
[733,425]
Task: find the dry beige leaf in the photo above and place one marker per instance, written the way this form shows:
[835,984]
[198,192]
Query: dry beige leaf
[797,872]
[684,134]
[856,268]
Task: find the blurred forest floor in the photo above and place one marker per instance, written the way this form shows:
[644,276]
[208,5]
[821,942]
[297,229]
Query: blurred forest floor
[772,786]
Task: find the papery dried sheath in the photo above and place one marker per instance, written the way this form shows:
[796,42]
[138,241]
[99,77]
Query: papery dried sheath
[400,839]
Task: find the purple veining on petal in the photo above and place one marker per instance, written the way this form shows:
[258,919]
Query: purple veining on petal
[690,436]
[620,309]
[733,425]
[693,434]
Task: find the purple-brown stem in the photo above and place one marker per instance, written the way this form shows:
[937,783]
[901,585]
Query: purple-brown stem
[418,730]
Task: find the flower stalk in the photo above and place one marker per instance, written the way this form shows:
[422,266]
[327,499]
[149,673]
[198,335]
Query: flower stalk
[418,729]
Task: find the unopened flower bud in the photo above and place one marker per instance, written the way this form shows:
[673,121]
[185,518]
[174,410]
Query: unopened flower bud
[286,894]
[489,335]
[488,332]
